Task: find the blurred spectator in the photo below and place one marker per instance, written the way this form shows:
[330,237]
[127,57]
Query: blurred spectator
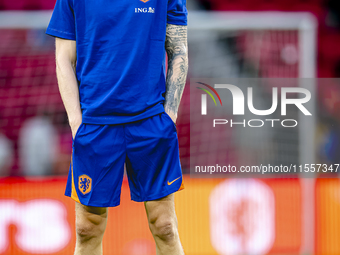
[330,148]
[38,145]
[333,18]
[6,155]
[199,5]
[337,69]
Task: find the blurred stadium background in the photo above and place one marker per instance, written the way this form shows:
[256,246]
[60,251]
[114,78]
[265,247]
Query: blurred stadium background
[216,216]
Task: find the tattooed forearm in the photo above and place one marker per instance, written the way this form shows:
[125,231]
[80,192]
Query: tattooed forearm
[177,49]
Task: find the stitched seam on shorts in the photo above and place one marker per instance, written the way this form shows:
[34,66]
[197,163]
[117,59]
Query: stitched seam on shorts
[141,190]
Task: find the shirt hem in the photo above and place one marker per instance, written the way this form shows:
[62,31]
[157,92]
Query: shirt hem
[115,120]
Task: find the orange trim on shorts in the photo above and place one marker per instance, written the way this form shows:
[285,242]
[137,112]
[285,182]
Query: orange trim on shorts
[74,194]
[182,186]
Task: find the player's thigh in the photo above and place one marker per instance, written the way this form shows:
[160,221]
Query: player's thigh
[161,212]
[90,221]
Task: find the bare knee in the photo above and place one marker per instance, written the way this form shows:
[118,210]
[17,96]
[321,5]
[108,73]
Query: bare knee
[163,228]
[90,224]
[86,231]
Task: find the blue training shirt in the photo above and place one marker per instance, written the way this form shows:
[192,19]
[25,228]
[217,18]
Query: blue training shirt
[120,54]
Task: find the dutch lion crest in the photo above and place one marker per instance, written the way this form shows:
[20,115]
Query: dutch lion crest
[84,184]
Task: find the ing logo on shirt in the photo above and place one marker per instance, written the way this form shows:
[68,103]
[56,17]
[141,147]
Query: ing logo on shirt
[84,184]
[144,1]
[145,10]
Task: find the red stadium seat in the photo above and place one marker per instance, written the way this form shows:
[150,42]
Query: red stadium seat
[27,4]
[32,5]
[329,46]
[313,2]
[276,5]
[325,72]
[234,5]
[312,7]
[13,5]
[47,4]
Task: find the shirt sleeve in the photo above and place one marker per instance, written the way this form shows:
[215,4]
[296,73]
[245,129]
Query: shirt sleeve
[62,23]
[177,12]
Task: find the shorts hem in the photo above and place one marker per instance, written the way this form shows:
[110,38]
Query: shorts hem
[156,196]
[95,205]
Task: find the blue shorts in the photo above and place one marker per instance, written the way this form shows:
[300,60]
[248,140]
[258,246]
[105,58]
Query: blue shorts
[149,148]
